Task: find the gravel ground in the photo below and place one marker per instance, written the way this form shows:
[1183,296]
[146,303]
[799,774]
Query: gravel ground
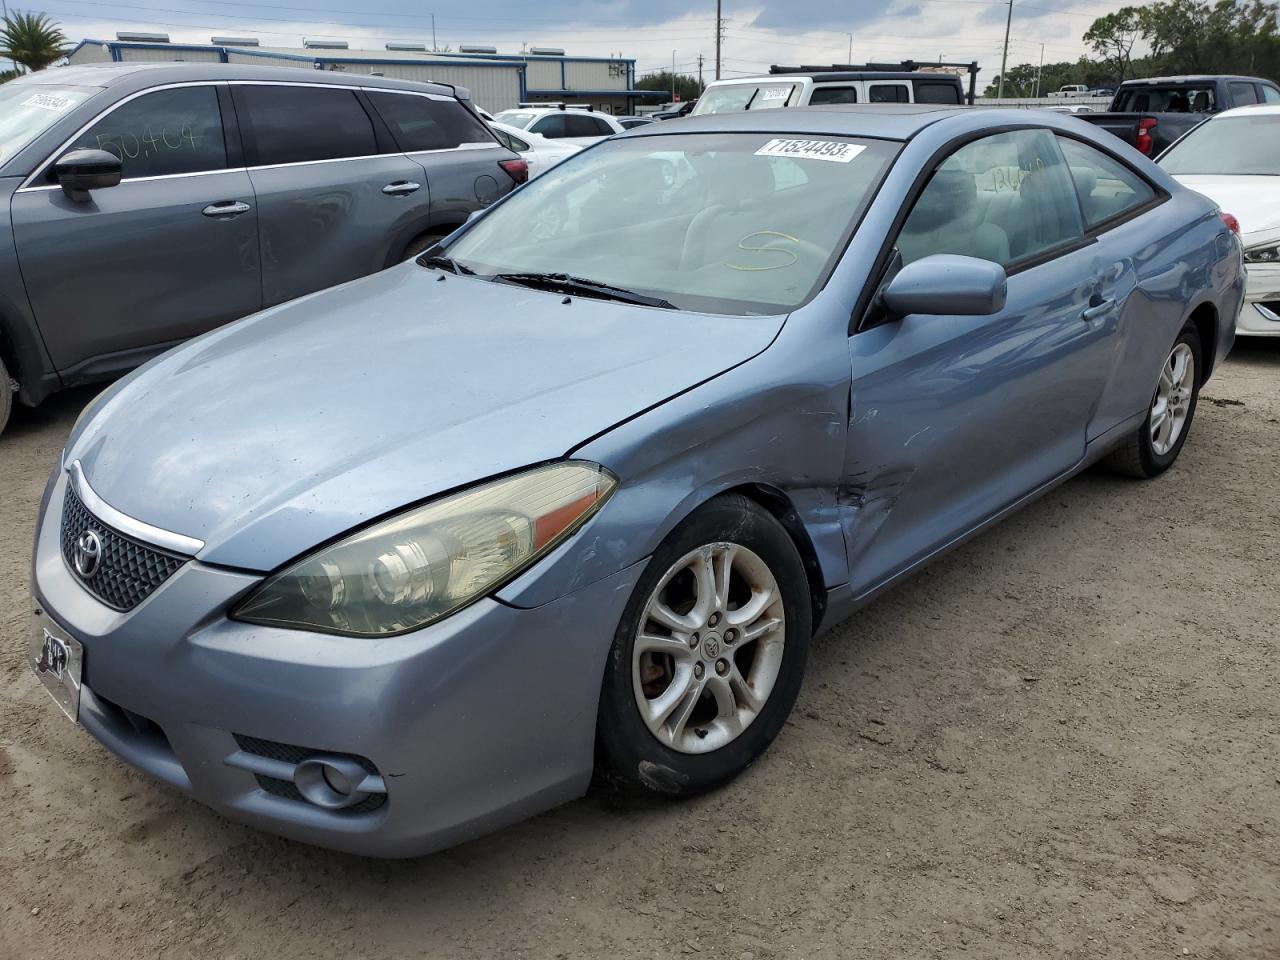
[1063,740]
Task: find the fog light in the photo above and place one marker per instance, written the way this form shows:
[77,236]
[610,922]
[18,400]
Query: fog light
[330,782]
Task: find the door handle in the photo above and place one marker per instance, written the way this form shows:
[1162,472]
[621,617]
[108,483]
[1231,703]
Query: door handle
[1098,307]
[226,208]
[401,188]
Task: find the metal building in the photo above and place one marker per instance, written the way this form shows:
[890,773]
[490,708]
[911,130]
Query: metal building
[496,81]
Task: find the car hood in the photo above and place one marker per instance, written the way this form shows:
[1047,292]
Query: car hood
[291,427]
[1253,200]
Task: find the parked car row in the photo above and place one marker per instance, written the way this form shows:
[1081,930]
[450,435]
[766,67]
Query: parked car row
[391,565]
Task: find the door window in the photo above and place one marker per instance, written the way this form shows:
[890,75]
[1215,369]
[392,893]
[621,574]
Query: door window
[552,126]
[421,123]
[1003,198]
[163,133]
[833,94]
[287,124]
[1107,187]
[1269,93]
[937,92]
[888,93]
[1243,94]
[580,125]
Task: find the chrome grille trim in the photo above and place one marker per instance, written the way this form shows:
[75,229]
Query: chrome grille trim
[123,523]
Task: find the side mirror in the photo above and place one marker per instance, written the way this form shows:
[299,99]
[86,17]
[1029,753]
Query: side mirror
[947,284]
[80,171]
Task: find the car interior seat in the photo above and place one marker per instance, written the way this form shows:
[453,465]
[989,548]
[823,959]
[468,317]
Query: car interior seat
[946,219]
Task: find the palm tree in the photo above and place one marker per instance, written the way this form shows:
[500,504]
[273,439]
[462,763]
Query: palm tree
[31,39]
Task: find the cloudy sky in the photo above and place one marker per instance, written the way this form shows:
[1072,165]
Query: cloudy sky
[756,34]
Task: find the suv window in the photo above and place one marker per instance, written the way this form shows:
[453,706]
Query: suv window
[833,94]
[552,126]
[421,123]
[1269,93]
[1182,98]
[1243,94]
[1002,198]
[1107,187]
[514,144]
[887,93]
[937,93]
[581,125]
[285,124]
[162,133]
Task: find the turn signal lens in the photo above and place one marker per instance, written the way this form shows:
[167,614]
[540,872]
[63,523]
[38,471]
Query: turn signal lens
[1233,225]
[517,170]
[426,563]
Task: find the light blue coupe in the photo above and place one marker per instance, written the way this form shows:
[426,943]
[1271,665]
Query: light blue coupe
[398,563]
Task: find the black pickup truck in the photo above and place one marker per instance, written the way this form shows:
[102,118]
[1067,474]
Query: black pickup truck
[1151,114]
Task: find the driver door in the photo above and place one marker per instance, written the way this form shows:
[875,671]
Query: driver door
[956,418]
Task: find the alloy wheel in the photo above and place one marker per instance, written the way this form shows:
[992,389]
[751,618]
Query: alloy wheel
[1172,402]
[709,648]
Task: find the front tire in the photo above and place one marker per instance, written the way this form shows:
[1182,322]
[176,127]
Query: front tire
[709,656]
[6,397]
[1154,446]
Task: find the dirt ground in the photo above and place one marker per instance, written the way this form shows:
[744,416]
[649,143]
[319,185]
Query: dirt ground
[1063,740]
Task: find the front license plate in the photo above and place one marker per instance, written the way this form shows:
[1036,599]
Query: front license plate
[57,660]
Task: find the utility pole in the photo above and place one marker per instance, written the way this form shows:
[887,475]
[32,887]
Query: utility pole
[1039,70]
[700,83]
[850,60]
[719,35]
[1004,60]
[434,47]
[673,76]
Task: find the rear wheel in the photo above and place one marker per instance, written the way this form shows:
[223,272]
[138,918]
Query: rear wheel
[421,244]
[709,656]
[6,396]
[1153,448]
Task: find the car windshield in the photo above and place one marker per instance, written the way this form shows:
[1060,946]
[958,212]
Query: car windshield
[1182,98]
[27,110]
[746,96]
[516,118]
[1230,146]
[722,223]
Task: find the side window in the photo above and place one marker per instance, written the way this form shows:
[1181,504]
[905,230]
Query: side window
[1243,94]
[286,124]
[1269,93]
[515,144]
[581,125]
[1003,198]
[937,93]
[552,126]
[162,133]
[1107,188]
[833,94]
[887,93]
[421,123]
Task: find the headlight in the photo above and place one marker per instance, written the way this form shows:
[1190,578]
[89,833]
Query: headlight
[403,573]
[1269,254]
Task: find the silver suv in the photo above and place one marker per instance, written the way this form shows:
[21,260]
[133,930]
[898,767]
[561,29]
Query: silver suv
[149,203]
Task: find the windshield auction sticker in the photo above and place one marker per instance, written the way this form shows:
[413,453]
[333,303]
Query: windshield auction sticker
[49,101]
[836,151]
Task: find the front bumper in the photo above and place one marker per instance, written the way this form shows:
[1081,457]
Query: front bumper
[475,722]
[1260,314]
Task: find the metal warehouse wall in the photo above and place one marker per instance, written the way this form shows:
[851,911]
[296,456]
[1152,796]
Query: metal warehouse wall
[265,61]
[151,55]
[91,53]
[494,88]
[542,74]
[579,75]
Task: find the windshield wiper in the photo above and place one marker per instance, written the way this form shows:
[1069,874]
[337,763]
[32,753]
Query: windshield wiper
[446,262]
[564,283]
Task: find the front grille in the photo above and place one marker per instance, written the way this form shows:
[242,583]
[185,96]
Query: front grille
[128,571]
[288,753]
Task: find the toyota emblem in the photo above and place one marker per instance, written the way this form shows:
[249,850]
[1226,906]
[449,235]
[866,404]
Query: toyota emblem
[88,554]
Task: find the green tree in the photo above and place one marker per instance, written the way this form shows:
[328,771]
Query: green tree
[1112,37]
[687,87]
[31,39]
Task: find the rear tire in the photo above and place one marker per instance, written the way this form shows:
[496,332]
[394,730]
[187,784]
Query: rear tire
[709,656]
[6,397]
[421,244]
[1154,446]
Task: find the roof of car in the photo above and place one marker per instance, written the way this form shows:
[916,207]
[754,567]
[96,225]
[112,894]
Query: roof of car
[882,121]
[146,74]
[1193,78]
[1249,110]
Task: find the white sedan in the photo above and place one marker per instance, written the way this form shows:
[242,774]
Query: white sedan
[540,153]
[1233,158]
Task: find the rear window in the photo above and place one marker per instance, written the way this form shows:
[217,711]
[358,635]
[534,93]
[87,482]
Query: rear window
[747,96]
[422,123]
[286,124]
[516,118]
[1182,98]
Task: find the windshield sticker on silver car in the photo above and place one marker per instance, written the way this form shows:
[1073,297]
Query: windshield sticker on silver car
[836,151]
[49,101]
